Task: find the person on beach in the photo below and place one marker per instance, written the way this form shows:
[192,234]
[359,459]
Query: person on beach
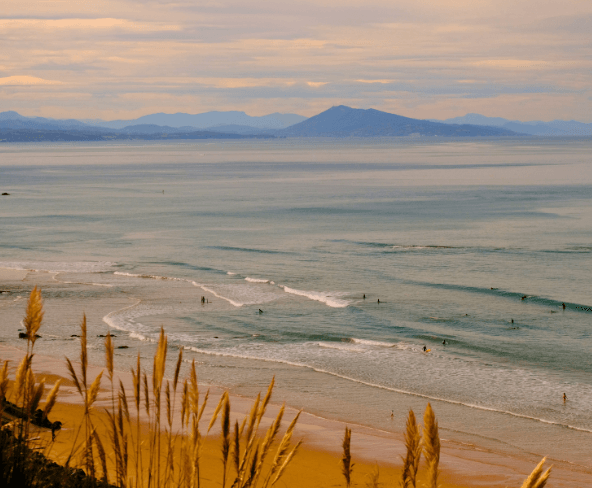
[392,414]
[564,398]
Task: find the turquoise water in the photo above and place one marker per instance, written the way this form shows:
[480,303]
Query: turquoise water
[449,236]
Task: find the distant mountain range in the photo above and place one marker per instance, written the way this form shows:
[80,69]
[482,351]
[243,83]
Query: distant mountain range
[208,120]
[340,121]
[535,128]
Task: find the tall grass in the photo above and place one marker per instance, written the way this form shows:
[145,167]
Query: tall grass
[171,456]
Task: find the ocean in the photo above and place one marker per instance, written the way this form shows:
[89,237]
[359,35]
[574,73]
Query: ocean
[329,264]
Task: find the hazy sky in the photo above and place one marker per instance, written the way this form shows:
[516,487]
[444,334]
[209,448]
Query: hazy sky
[519,59]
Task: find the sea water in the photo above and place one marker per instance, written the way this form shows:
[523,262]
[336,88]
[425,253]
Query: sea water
[330,264]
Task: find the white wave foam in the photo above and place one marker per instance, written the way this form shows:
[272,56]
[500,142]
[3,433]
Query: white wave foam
[256,280]
[239,294]
[340,346]
[136,335]
[147,276]
[328,298]
[230,273]
[382,387]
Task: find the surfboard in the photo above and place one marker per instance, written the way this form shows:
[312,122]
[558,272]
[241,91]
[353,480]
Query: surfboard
[427,350]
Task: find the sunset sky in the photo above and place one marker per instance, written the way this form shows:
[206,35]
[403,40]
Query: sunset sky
[518,59]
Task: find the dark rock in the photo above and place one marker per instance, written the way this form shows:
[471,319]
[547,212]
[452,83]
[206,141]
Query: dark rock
[74,335]
[5,194]
[24,335]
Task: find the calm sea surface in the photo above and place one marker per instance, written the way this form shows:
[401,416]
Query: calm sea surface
[477,243]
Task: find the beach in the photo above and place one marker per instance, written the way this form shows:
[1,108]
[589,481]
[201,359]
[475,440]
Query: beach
[329,265]
[317,462]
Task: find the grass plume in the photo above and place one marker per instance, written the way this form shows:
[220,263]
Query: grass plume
[346,464]
[431,445]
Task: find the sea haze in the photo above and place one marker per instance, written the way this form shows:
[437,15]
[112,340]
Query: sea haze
[477,243]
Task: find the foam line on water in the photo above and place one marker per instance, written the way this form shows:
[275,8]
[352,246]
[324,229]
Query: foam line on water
[256,280]
[387,388]
[328,298]
[209,290]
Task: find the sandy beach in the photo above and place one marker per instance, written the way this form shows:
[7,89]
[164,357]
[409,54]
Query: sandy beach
[317,463]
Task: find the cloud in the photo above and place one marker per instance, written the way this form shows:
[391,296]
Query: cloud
[26,81]
[86,24]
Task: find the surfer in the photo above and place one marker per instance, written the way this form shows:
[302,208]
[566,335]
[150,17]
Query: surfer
[444,342]
[260,311]
[512,320]
[563,305]
[523,297]
[425,349]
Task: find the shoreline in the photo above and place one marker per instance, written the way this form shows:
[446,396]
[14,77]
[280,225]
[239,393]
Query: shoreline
[461,465]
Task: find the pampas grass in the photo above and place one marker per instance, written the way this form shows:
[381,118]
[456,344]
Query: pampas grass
[346,464]
[431,445]
[244,450]
[413,445]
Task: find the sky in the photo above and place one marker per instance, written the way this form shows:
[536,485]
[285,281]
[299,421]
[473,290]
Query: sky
[120,59]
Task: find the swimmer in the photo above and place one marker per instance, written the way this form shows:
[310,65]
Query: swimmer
[523,297]
[563,305]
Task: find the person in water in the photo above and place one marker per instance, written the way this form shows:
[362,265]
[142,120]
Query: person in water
[563,305]
[444,342]
[425,349]
[378,301]
[364,296]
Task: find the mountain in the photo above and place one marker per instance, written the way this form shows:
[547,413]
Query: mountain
[155,129]
[13,120]
[535,127]
[206,120]
[344,121]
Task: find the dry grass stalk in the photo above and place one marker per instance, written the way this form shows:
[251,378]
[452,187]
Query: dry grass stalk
[3,386]
[33,316]
[109,356]
[51,398]
[346,464]
[413,445]
[225,419]
[431,445]
[374,478]
[537,478]
[285,464]
[281,452]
